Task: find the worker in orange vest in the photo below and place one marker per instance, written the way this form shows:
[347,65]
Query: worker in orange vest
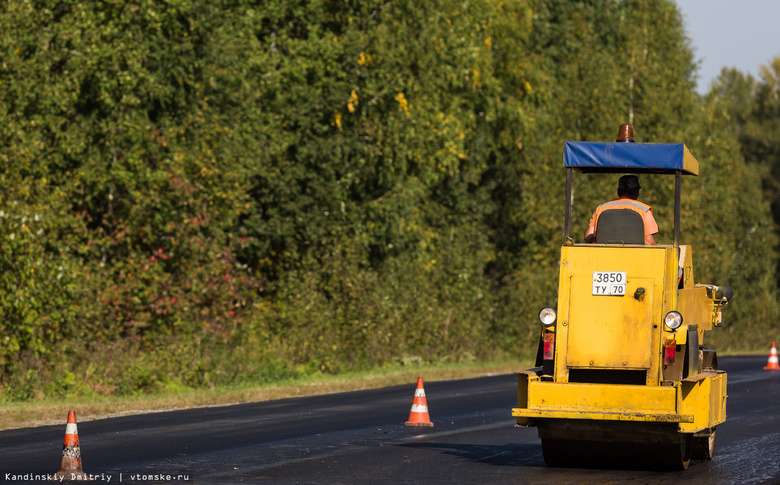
[628,193]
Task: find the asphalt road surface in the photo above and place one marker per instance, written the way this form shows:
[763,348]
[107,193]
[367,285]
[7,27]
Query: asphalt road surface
[359,438]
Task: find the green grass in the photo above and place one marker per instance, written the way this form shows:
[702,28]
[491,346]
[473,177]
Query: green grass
[20,414]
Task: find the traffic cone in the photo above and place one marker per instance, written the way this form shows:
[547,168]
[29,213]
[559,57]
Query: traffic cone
[772,364]
[70,467]
[418,416]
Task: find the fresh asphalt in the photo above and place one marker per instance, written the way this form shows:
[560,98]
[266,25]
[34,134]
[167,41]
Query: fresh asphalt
[359,438]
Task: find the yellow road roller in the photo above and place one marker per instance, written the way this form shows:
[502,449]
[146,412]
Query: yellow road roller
[622,372]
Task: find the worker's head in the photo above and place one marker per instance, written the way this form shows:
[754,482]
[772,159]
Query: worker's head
[628,186]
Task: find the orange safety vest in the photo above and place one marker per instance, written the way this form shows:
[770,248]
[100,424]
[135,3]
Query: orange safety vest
[642,209]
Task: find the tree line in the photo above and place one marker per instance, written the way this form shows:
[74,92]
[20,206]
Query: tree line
[197,193]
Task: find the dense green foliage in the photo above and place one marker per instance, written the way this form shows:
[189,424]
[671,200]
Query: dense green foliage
[199,192]
[752,108]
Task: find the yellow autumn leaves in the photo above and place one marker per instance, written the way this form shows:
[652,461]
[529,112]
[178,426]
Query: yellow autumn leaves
[353,101]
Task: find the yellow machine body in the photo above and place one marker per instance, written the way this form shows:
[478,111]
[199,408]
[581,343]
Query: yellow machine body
[608,364]
[615,343]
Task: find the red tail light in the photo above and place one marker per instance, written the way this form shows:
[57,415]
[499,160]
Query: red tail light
[670,345]
[549,346]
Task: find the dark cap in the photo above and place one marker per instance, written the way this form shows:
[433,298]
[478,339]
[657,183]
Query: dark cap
[628,184]
[625,133]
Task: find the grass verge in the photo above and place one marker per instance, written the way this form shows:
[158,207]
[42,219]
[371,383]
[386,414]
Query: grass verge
[22,414]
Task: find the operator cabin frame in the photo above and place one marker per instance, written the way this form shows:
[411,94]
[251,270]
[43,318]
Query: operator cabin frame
[631,158]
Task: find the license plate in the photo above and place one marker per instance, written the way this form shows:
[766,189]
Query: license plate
[609,283]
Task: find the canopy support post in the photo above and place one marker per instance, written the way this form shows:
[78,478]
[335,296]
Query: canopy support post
[677,206]
[567,219]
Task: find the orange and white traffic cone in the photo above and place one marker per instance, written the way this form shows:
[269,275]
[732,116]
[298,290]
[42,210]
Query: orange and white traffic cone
[772,364]
[418,416]
[70,467]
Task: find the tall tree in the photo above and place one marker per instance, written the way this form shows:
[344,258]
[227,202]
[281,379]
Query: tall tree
[753,111]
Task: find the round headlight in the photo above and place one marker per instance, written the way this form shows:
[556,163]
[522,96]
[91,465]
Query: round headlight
[547,316]
[673,320]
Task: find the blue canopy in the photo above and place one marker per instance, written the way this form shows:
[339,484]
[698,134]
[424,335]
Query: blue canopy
[589,157]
